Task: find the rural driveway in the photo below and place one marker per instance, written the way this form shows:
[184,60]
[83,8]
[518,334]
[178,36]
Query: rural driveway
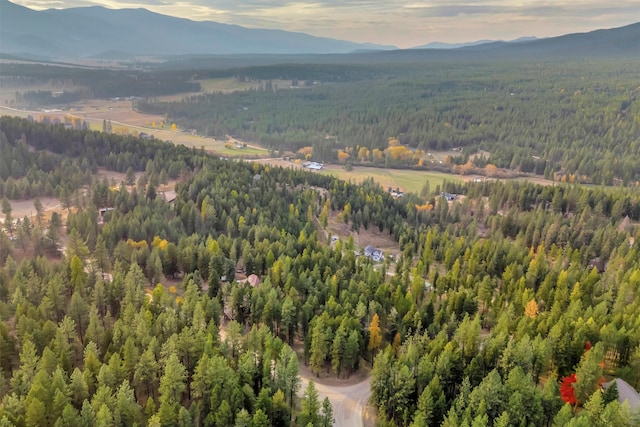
[348,401]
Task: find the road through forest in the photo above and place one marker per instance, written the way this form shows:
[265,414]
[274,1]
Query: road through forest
[348,401]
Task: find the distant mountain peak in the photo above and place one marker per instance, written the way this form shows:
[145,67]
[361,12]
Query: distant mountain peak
[442,45]
[92,30]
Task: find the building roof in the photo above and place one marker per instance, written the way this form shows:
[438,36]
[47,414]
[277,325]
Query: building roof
[170,195]
[625,392]
[253,280]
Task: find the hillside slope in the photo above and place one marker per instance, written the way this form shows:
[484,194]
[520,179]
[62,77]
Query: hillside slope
[88,31]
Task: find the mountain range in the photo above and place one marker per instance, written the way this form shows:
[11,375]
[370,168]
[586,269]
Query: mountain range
[124,33]
[95,31]
[622,42]
[441,45]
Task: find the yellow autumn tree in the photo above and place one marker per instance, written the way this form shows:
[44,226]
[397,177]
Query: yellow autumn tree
[324,215]
[393,142]
[363,153]
[213,247]
[203,209]
[136,245]
[346,212]
[306,152]
[418,154]
[342,156]
[466,168]
[375,334]
[424,208]
[531,309]
[491,170]
[159,243]
[399,152]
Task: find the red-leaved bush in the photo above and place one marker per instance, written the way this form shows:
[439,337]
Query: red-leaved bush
[567,393]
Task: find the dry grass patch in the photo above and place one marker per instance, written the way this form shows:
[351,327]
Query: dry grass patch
[407,180]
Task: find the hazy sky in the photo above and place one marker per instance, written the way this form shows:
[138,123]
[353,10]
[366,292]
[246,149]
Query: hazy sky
[402,23]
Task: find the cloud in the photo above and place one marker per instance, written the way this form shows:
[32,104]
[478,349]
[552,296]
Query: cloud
[458,10]
[404,23]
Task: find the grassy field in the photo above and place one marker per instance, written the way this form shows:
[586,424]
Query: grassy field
[230,84]
[407,180]
[126,121]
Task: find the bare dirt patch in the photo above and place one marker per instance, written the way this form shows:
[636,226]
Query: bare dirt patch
[349,400]
[330,379]
[536,180]
[22,208]
[372,236]
[112,177]
[115,178]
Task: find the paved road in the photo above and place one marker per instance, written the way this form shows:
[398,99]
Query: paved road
[348,402]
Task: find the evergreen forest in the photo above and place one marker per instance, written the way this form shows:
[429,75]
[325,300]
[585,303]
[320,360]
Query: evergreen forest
[575,118]
[509,306]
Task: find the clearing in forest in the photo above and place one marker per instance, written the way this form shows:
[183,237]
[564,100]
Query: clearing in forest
[406,180]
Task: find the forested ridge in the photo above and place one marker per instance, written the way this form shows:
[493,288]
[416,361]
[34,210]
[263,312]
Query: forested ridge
[494,301]
[576,118]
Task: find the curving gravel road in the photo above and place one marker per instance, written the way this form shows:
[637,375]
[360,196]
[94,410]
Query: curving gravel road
[349,401]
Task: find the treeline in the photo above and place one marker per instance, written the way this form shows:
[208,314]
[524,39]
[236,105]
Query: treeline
[100,83]
[574,118]
[319,73]
[72,155]
[494,301]
[46,97]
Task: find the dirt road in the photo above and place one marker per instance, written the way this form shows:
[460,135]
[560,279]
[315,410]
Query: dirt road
[349,401]
[349,398]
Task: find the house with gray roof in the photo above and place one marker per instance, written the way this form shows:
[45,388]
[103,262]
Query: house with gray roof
[625,392]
